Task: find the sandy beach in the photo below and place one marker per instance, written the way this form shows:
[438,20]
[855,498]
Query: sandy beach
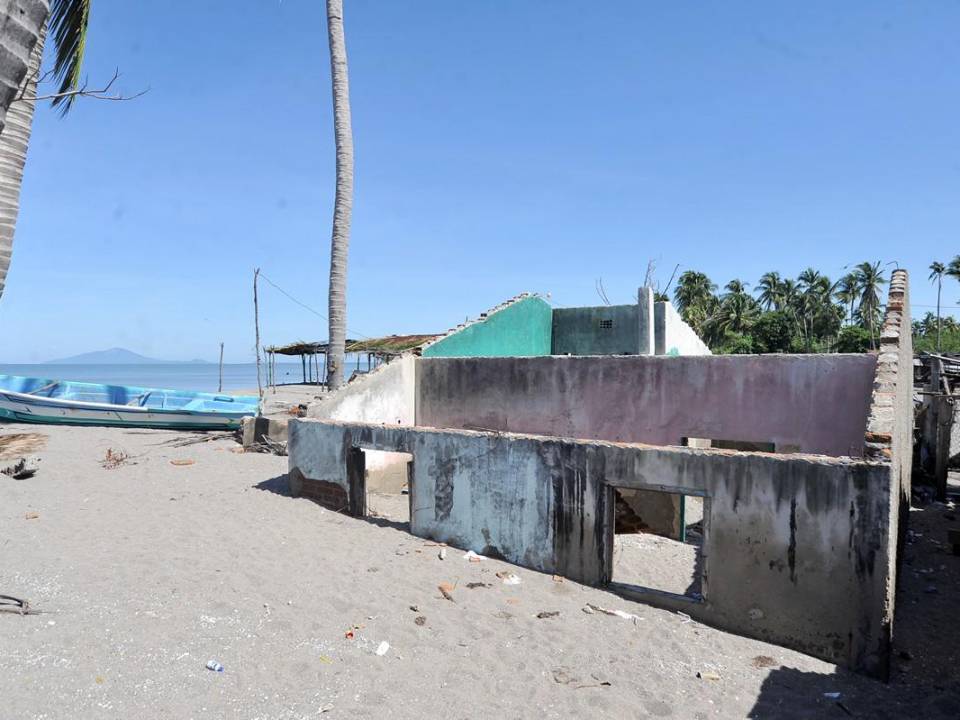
[144,560]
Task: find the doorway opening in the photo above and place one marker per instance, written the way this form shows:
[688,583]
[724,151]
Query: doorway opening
[388,482]
[658,540]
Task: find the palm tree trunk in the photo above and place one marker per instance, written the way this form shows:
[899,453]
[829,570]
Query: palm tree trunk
[343,205]
[21,22]
[14,141]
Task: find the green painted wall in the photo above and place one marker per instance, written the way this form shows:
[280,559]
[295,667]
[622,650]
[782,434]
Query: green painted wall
[604,330]
[523,329]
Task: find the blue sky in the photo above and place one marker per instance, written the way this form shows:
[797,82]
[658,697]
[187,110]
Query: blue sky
[501,147]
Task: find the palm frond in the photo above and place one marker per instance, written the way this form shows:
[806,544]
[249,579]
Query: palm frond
[68,25]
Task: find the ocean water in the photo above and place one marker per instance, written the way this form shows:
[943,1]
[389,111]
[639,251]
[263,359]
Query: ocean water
[202,377]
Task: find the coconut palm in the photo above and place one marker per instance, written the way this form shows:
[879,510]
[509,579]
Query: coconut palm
[953,269]
[693,288]
[21,22]
[771,291]
[808,279]
[68,23]
[736,312]
[847,292]
[937,271]
[870,279]
[736,287]
[343,204]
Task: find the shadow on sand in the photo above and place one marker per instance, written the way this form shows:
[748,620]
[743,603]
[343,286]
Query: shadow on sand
[280,485]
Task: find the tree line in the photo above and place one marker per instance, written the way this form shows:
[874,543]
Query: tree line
[811,313]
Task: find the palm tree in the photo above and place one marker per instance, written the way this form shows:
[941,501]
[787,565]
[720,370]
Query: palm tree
[21,23]
[343,204]
[736,287]
[808,278]
[771,291]
[869,279]
[68,21]
[847,292]
[694,299]
[937,270]
[737,312]
[693,288]
[953,269]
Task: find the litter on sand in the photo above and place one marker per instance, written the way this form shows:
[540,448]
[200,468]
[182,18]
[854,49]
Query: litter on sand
[446,589]
[708,676]
[442,554]
[21,470]
[19,605]
[508,578]
[32,515]
[382,648]
[182,462]
[471,556]
[591,608]
[547,614]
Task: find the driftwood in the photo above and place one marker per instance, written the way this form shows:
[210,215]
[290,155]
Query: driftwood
[266,445]
[197,439]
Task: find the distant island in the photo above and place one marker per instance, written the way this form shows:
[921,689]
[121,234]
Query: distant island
[116,356]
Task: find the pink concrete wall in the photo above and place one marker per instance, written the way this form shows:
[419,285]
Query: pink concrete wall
[817,403]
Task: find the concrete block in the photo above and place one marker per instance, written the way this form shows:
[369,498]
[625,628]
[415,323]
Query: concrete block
[255,429]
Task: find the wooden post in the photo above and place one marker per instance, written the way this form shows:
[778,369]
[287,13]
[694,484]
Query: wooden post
[220,386]
[256,325]
[303,363]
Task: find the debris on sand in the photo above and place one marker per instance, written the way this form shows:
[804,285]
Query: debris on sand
[17,445]
[8,603]
[590,608]
[114,459]
[446,589]
[508,578]
[566,676]
[25,468]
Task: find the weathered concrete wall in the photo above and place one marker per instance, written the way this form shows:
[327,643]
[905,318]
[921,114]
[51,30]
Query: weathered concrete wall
[584,330]
[673,335]
[814,403]
[386,395]
[520,328]
[796,548]
[889,434]
[646,320]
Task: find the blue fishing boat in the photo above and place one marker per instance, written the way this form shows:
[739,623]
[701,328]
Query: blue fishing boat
[64,402]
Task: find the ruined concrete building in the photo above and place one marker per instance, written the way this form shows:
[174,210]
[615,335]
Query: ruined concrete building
[797,467]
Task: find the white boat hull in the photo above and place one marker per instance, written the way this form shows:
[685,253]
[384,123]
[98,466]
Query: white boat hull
[21,407]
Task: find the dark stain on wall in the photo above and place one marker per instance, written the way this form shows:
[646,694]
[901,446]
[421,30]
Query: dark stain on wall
[442,472]
[792,548]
